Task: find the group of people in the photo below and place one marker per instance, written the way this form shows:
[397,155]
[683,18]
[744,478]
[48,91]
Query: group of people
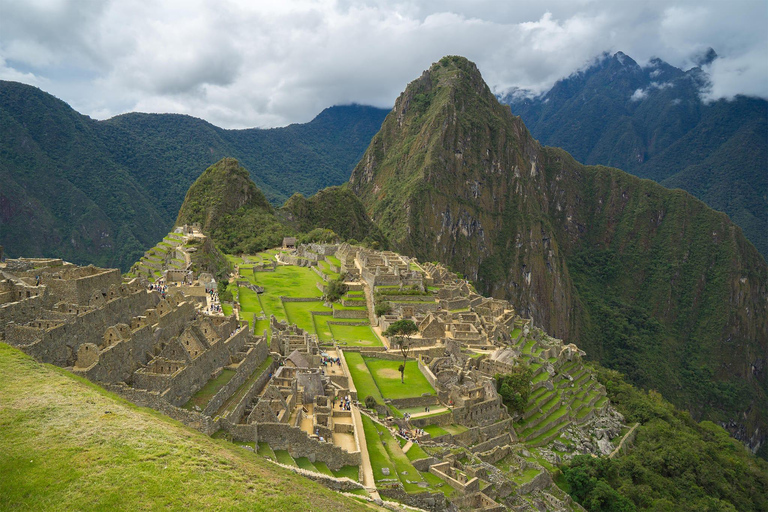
[411,435]
[330,361]
[345,403]
[159,286]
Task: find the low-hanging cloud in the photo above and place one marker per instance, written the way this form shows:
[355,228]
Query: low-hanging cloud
[246,63]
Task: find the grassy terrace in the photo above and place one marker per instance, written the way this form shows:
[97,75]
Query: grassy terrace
[355,335]
[333,260]
[300,313]
[362,377]
[69,445]
[238,395]
[204,395]
[387,378]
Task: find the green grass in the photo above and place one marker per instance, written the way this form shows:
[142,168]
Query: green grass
[333,260]
[67,444]
[435,431]
[265,451]
[226,308]
[204,395]
[351,472]
[289,281]
[362,378]
[355,335]
[416,452]
[300,313]
[304,463]
[283,457]
[322,467]
[387,379]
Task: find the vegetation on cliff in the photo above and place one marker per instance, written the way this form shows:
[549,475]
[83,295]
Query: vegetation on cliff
[674,463]
[337,209]
[651,121]
[645,279]
[231,209]
[103,192]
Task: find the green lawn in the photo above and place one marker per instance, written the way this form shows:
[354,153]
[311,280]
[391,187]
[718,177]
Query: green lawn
[362,377]
[416,452]
[284,457]
[300,313]
[387,378]
[333,260]
[322,467]
[435,431]
[351,472]
[304,463]
[289,281]
[385,451]
[355,335]
[204,395]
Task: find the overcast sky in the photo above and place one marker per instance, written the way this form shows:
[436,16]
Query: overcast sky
[260,63]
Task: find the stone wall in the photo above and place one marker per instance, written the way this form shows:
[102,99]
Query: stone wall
[350,313]
[281,436]
[255,356]
[434,502]
[258,385]
[80,289]
[195,420]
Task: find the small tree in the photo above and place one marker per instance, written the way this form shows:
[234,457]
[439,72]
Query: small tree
[515,387]
[400,333]
[335,290]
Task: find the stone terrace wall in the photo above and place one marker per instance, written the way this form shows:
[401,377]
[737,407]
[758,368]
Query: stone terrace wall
[256,355]
[22,311]
[281,436]
[117,362]
[261,381]
[195,420]
[198,372]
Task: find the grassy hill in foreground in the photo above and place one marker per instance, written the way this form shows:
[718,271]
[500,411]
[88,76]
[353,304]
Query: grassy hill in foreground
[68,445]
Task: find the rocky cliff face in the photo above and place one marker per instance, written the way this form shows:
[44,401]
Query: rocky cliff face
[647,280]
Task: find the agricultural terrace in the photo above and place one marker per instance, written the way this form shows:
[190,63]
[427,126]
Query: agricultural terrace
[380,378]
[297,282]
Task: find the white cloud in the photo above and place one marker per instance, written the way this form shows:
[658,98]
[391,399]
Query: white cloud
[638,95]
[242,63]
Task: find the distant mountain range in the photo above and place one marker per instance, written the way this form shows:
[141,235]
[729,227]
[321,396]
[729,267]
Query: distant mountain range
[647,280]
[103,192]
[652,122]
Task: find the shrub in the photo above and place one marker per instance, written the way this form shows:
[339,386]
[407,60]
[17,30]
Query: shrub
[370,402]
[335,290]
[383,308]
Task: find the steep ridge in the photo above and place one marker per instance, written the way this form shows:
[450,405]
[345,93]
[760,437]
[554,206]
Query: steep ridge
[235,213]
[228,206]
[651,121]
[334,208]
[647,280]
[103,192]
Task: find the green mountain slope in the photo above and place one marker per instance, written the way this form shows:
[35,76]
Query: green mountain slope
[651,121]
[69,445]
[647,280]
[103,192]
[231,209]
[334,208]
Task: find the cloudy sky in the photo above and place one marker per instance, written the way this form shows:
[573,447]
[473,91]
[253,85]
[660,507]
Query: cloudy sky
[269,63]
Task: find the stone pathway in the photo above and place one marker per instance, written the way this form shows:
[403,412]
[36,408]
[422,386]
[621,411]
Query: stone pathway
[407,446]
[368,481]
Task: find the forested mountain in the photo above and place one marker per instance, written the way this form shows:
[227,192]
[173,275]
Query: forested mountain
[103,192]
[647,280]
[652,122]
